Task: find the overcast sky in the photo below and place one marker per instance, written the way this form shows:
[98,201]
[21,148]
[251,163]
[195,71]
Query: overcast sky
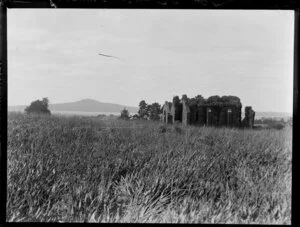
[161,53]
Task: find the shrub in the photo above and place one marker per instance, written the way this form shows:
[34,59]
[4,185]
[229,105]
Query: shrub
[39,107]
[278,126]
[162,129]
[124,114]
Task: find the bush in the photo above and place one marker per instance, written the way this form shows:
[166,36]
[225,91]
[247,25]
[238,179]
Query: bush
[39,107]
[124,114]
[273,123]
[162,129]
[278,126]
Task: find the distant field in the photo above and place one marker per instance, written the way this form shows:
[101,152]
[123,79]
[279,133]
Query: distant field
[258,115]
[78,113]
[83,169]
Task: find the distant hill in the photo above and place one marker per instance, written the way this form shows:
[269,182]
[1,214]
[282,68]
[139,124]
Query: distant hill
[85,105]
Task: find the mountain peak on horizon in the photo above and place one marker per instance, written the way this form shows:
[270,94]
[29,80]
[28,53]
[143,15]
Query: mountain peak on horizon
[87,100]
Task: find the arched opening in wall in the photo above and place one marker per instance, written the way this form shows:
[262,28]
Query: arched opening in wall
[178,112]
[170,118]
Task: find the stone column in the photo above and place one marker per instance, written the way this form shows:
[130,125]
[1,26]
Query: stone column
[173,112]
[249,117]
[185,113]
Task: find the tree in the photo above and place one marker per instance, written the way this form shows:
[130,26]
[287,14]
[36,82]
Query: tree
[154,111]
[214,100]
[124,114]
[185,98]
[232,100]
[39,107]
[199,100]
[176,100]
[144,109]
[45,100]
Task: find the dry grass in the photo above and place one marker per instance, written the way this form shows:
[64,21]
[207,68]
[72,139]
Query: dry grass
[81,169]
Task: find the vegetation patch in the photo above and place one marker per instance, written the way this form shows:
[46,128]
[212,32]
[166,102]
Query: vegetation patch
[83,169]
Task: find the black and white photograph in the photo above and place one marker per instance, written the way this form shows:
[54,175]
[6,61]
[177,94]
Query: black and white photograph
[149,115]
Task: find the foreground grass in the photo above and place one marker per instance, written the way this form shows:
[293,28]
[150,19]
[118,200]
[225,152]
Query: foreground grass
[81,169]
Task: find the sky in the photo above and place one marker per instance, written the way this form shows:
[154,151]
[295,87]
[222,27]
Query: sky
[159,53]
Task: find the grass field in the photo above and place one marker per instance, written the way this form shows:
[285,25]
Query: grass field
[84,169]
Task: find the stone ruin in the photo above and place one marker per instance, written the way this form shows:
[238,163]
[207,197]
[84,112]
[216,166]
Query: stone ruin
[166,110]
[214,111]
[248,121]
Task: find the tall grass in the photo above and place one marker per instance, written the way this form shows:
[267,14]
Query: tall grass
[83,169]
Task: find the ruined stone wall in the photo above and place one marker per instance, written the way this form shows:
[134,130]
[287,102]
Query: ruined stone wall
[248,121]
[176,112]
[213,114]
[214,111]
[170,118]
[216,115]
[236,116]
[201,115]
[251,116]
[209,116]
[224,116]
[194,115]
[164,115]
[167,115]
[173,112]
[230,116]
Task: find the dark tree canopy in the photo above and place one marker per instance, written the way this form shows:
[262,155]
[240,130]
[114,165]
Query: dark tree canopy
[154,111]
[39,107]
[223,101]
[176,100]
[143,109]
[198,100]
[185,98]
[232,100]
[215,100]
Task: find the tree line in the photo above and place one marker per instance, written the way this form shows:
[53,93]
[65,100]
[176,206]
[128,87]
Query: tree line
[146,111]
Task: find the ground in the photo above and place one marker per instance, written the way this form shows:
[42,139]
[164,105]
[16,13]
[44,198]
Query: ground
[76,169]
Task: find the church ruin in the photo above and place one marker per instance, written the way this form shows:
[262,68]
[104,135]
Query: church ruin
[214,111]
